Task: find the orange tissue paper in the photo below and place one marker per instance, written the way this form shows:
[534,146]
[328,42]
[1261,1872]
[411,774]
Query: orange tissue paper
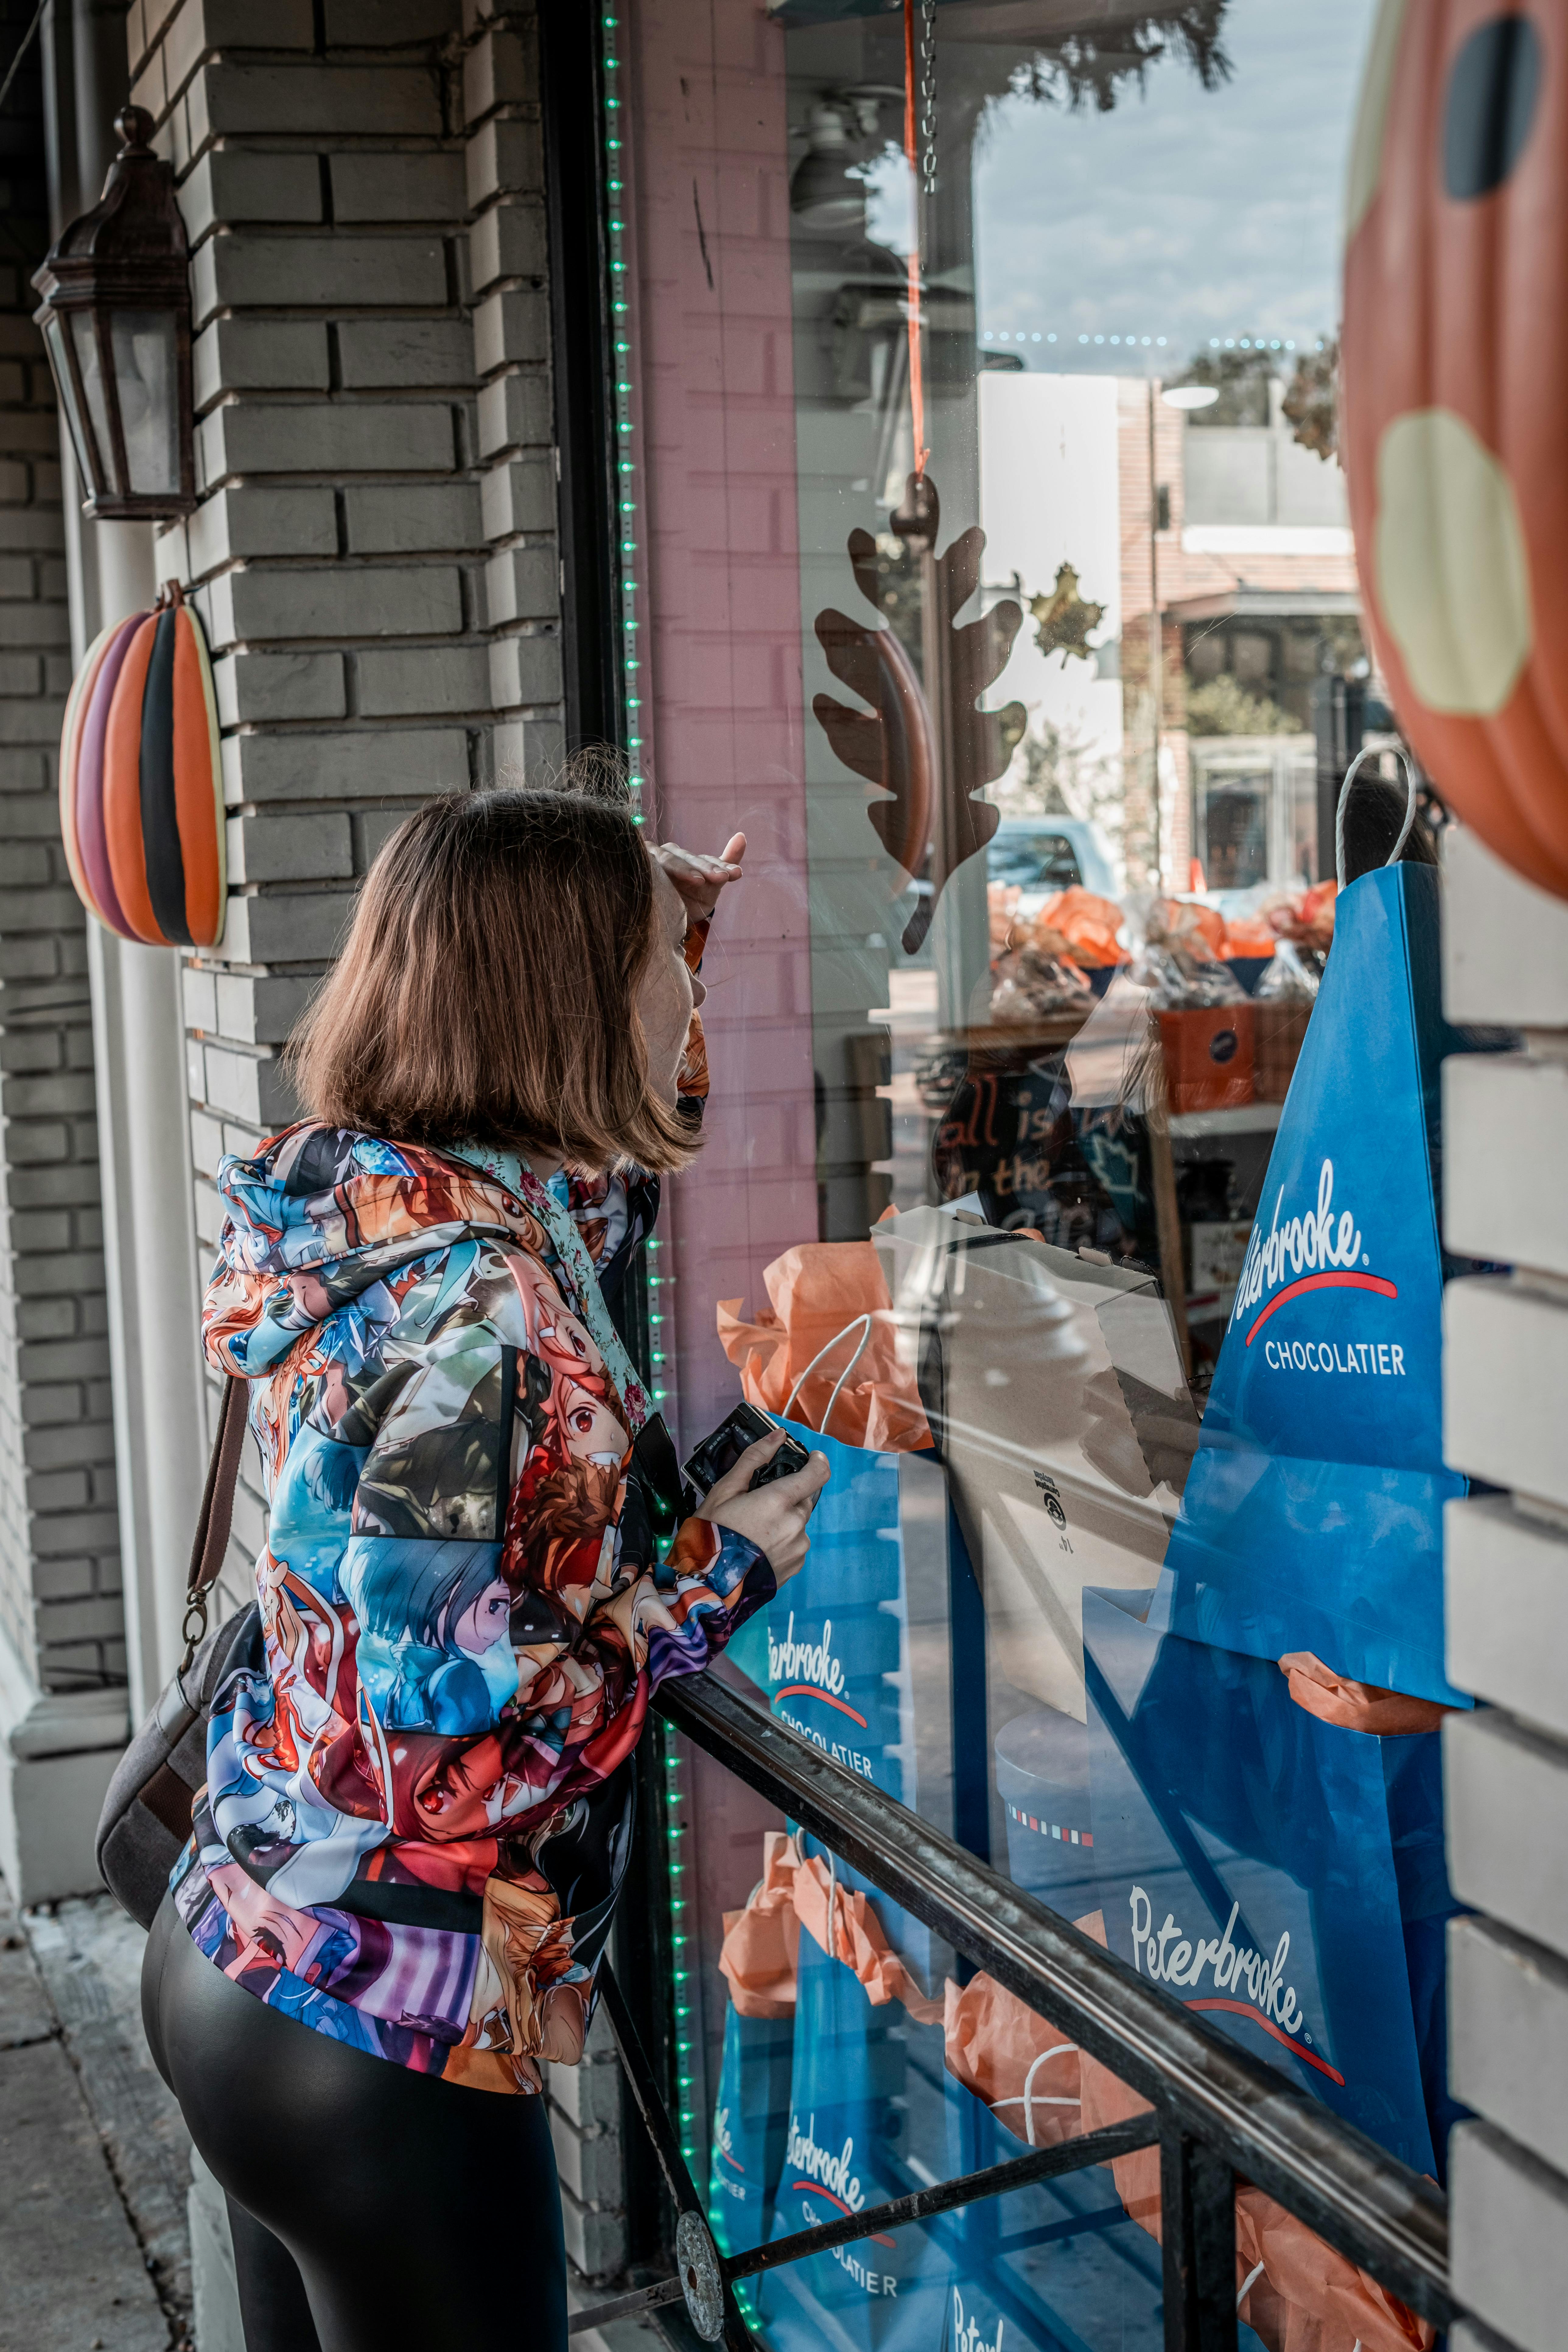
[819,1293]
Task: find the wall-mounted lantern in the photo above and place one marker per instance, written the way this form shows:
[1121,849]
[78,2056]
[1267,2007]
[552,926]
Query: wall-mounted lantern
[116,319]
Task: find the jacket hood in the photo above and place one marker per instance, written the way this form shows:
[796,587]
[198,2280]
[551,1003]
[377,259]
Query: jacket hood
[319,1217]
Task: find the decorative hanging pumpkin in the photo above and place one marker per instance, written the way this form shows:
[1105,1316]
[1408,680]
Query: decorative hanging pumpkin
[1455,360]
[141,784]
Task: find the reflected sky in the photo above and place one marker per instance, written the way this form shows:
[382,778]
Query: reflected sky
[1185,214]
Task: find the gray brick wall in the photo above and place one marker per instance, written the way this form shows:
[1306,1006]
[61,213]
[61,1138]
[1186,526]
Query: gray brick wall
[59,1553]
[586,2108]
[375,553]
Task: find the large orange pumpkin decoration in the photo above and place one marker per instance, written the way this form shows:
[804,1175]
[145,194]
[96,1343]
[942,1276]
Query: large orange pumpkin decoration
[1454,361]
[141,811]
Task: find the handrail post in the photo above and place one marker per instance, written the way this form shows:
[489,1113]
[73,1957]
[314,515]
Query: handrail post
[737,2337]
[1197,2242]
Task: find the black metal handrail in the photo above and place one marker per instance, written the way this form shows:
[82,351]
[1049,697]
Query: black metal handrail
[1222,2113]
[943,2196]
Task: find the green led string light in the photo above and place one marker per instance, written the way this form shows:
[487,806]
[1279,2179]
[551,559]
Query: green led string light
[660,1305]
[625,468]
[690,2121]
[628,546]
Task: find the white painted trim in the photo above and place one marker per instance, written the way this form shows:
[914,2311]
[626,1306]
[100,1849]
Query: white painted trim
[149,1209]
[58,1750]
[35,1723]
[1266,538]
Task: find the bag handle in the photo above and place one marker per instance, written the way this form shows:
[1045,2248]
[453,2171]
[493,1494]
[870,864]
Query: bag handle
[861,1323]
[1373,751]
[217,1514]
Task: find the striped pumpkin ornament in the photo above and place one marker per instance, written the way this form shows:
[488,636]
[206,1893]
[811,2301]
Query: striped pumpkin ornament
[141,784]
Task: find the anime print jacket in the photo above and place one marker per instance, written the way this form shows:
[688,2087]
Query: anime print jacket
[419,1802]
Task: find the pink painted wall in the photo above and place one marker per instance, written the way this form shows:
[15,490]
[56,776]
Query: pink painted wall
[722,709]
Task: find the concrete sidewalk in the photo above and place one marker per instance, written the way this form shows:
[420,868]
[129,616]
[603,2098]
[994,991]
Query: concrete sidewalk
[94,2160]
[99,2210]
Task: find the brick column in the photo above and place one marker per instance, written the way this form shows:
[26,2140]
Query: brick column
[1505,1377]
[62,1653]
[341,553]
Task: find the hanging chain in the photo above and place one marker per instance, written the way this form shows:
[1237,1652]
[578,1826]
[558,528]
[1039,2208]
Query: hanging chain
[928,96]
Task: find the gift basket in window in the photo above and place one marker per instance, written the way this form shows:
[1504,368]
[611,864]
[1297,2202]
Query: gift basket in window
[1203,1013]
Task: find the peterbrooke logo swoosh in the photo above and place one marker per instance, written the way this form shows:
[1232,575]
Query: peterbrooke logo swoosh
[825,2174]
[1317,1252]
[818,1674]
[1166,1956]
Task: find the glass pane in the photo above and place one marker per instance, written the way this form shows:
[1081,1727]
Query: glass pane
[84,337]
[816,2087]
[993,575]
[144,368]
[54,337]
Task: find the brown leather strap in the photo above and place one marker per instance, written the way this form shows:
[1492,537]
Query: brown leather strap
[218,1499]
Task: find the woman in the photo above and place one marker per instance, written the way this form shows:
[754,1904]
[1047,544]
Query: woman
[420,1795]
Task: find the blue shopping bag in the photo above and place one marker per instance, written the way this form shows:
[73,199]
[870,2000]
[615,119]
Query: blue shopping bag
[1282,1875]
[866,2108]
[829,1653]
[874,2114]
[751,2128]
[1312,1517]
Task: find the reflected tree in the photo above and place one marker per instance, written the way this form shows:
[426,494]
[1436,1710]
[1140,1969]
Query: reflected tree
[1093,54]
[1311,400]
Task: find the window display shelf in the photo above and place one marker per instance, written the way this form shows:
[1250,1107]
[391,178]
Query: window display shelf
[1242,1118]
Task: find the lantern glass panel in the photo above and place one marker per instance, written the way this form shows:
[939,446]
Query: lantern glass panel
[84,334]
[144,347]
[54,336]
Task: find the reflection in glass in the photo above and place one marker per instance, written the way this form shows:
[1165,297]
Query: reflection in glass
[84,339]
[144,364]
[54,334]
[144,355]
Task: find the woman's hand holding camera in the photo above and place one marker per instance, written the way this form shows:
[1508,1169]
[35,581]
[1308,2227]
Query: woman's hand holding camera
[774,1516]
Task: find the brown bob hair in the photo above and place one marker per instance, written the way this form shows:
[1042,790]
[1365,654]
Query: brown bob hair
[488,991]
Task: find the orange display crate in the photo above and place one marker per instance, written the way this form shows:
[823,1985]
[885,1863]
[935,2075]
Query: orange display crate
[1208,1052]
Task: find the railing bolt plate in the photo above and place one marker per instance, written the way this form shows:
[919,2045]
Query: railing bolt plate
[702,2282]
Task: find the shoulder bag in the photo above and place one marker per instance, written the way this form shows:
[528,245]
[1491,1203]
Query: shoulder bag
[146,1816]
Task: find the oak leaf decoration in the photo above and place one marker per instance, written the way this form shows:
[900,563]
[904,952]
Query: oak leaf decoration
[929,761]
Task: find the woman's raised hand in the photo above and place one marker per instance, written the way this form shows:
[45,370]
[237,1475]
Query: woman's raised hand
[700,879]
[775,1517]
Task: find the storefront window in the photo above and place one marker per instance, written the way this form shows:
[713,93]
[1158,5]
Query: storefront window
[986,558]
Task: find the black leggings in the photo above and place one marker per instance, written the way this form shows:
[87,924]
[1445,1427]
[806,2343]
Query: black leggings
[373,2207]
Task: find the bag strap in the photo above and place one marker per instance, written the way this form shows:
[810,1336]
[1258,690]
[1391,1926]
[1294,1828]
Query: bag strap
[1373,751]
[217,1515]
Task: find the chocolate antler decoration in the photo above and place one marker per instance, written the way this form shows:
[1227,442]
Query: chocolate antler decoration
[892,744]
[931,749]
